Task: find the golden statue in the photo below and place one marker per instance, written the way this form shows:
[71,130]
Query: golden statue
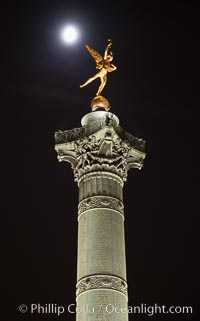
[105,66]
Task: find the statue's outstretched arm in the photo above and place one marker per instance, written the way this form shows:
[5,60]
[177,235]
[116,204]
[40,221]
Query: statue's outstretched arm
[107,48]
[113,67]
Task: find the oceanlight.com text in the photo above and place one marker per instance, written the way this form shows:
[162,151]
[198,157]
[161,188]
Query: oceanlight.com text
[150,310]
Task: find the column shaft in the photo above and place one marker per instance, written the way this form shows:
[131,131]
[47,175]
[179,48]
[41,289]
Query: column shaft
[101,272]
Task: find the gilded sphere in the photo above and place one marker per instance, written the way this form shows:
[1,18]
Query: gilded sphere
[100,102]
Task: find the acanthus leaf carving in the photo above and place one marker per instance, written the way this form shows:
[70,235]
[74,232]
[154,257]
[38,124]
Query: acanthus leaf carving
[89,152]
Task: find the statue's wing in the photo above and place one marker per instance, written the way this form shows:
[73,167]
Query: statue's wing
[97,57]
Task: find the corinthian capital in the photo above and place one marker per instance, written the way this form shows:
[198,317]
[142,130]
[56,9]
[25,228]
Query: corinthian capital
[100,145]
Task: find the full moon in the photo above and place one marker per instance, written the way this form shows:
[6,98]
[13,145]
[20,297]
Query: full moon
[69,34]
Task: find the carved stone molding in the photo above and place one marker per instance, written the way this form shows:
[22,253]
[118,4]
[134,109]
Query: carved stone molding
[104,154]
[97,169]
[102,172]
[87,130]
[101,152]
[100,202]
[102,145]
[96,282]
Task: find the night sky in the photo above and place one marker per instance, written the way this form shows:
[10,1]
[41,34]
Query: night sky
[154,92]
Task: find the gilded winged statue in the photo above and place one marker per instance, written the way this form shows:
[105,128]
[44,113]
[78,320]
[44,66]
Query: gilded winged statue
[102,63]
